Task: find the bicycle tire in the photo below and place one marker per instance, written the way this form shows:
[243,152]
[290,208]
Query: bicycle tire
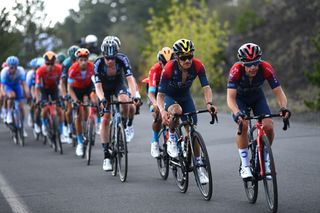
[207,188]
[57,135]
[90,139]
[181,175]
[163,159]
[112,150]
[122,153]
[270,184]
[51,135]
[251,186]
[20,136]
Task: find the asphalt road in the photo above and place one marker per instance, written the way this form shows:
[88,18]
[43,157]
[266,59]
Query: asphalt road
[35,179]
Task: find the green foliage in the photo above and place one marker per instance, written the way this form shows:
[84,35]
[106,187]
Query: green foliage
[248,21]
[314,77]
[184,19]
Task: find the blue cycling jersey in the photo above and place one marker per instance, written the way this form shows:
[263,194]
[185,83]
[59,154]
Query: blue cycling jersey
[11,80]
[31,78]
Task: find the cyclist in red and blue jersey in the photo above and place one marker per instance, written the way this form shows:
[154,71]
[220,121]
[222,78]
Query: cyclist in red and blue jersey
[163,56]
[47,81]
[174,95]
[80,88]
[244,90]
[109,80]
[13,85]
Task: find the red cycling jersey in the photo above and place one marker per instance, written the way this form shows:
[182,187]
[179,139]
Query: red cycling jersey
[80,78]
[154,75]
[48,79]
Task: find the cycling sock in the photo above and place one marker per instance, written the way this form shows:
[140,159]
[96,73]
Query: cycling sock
[70,128]
[80,139]
[124,122]
[155,137]
[105,147]
[130,120]
[172,136]
[244,157]
[98,119]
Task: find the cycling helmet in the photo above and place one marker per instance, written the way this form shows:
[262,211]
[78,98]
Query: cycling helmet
[72,50]
[61,57]
[109,49]
[165,55]
[91,39]
[113,38]
[33,63]
[12,61]
[249,52]
[40,61]
[49,56]
[183,46]
[82,52]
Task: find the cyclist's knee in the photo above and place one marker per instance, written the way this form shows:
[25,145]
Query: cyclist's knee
[175,109]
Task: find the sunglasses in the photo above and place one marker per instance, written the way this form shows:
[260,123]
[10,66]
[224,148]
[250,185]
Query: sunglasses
[49,63]
[253,63]
[12,67]
[83,59]
[185,57]
[110,57]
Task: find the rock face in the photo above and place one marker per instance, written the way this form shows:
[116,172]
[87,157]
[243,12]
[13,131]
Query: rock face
[285,40]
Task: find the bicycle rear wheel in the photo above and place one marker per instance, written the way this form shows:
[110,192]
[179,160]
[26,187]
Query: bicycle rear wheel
[270,179]
[57,135]
[122,153]
[91,138]
[163,159]
[251,186]
[20,136]
[205,185]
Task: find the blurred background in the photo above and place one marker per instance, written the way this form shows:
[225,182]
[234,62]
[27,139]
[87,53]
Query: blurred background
[288,32]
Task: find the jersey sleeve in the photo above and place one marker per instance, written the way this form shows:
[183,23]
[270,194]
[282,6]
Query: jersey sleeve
[201,72]
[152,79]
[97,72]
[126,64]
[234,76]
[38,77]
[269,75]
[165,77]
[3,75]
[22,74]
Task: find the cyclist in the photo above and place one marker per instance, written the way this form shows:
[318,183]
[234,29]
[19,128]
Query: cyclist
[47,81]
[245,90]
[80,89]
[90,42]
[31,81]
[60,58]
[174,95]
[67,131]
[163,56]
[109,81]
[13,84]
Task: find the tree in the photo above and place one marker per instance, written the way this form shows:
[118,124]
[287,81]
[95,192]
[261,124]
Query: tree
[186,19]
[314,77]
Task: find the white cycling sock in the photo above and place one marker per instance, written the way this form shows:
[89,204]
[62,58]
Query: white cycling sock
[172,136]
[244,157]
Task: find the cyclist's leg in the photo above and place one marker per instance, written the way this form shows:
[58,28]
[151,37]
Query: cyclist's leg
[44,111]
[104,138]
[11,97]
[242,141]
[78,118]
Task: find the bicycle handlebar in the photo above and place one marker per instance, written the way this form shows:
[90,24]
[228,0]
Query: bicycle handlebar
[214,117]
[286,122]
[106,110]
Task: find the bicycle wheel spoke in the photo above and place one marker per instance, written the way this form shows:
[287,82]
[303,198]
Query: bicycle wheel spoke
[122,154]
[163,159]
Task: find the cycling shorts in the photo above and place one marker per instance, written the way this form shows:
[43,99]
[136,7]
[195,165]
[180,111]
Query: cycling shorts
[186,104]
[52,93]
[17,89]
[257,103]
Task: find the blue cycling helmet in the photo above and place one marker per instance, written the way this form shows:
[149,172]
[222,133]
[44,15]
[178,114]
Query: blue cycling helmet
[33,63]
[40,62]
[12,61]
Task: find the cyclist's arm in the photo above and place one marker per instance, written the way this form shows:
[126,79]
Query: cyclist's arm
[207,92]
[132,85]
[281,97]
[72,93]
[26,89]
[231,100]
[63,87]
[99,91]
[160,102]
[152,98]
[2,89]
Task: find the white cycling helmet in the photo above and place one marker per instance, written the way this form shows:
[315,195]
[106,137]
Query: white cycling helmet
[91,39]
[113,38]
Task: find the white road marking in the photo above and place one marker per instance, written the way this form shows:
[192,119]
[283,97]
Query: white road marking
[17,205]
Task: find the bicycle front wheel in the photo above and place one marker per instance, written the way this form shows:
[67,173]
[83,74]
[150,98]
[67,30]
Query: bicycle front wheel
[270,179]
[251,185]
[122,153]
[201,166]
[163,159]
[91,138]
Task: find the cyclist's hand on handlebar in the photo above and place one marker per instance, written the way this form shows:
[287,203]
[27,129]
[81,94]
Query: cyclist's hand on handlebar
[238,117]
[103,103]
[165,117]
[212,109]
[285,113]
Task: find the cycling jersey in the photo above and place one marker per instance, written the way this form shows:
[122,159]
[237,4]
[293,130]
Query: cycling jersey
[80,78]
[112,78]
[12,80]
[171,81]
[240,81]
[48,79]
[66,64]
[154,77]
[31,78]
